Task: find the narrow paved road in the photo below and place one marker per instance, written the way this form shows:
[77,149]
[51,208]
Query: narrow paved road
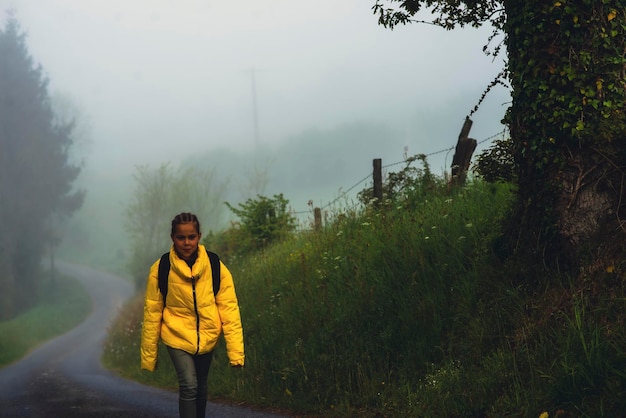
[64,378]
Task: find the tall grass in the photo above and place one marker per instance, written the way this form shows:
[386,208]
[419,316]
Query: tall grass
[406,311]
[346,319]
[65,306]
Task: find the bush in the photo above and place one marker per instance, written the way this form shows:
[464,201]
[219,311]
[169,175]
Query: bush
[262,221]
[496,163]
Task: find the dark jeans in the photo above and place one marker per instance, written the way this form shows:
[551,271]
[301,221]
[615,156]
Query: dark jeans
[193,373]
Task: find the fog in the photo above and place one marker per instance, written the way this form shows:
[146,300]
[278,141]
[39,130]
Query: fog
[160,80]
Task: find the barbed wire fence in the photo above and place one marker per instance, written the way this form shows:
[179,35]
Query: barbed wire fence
[345,193]
[500,79]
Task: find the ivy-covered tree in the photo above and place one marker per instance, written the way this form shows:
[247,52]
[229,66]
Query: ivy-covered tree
[36,173]
[566,66]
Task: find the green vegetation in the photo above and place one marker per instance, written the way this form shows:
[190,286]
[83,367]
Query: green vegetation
[65,305]
[408,307]
[263,221]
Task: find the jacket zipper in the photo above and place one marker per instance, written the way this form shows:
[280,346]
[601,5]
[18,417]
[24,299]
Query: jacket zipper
[195,308]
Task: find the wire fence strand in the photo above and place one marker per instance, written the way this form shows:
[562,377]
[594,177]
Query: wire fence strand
[343,194]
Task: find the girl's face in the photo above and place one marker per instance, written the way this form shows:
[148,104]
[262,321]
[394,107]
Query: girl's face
[185,239]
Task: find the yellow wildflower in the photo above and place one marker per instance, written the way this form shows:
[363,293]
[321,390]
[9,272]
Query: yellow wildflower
[612,15]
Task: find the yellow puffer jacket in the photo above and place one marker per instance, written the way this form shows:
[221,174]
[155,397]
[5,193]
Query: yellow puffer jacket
[191,322]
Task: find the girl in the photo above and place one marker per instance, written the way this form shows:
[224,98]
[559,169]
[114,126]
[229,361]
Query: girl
[190,319]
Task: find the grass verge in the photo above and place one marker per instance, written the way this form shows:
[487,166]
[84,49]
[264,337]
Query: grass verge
[65,306]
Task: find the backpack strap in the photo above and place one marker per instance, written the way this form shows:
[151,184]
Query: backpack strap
[216,272]
[164,270]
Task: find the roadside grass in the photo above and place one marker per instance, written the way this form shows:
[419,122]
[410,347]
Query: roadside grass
[65,306]
[408,311]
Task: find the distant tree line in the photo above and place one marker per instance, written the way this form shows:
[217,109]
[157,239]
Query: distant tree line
[158,195]
[36,173]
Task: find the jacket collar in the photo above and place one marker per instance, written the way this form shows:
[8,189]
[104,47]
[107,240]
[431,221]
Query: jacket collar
[180,267]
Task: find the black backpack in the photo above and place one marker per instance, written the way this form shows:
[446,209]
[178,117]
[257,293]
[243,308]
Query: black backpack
[164,270]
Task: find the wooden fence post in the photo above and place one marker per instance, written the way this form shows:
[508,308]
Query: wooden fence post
[465,147]
[378,181]
[317,216]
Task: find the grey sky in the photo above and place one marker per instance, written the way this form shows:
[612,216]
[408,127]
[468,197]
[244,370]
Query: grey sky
[158,78]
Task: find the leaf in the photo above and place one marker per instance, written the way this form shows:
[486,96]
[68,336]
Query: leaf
[580,125]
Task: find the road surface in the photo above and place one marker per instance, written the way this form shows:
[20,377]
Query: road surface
[64,378]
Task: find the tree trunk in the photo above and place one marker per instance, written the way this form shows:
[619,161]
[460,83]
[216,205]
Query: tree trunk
[568,123]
